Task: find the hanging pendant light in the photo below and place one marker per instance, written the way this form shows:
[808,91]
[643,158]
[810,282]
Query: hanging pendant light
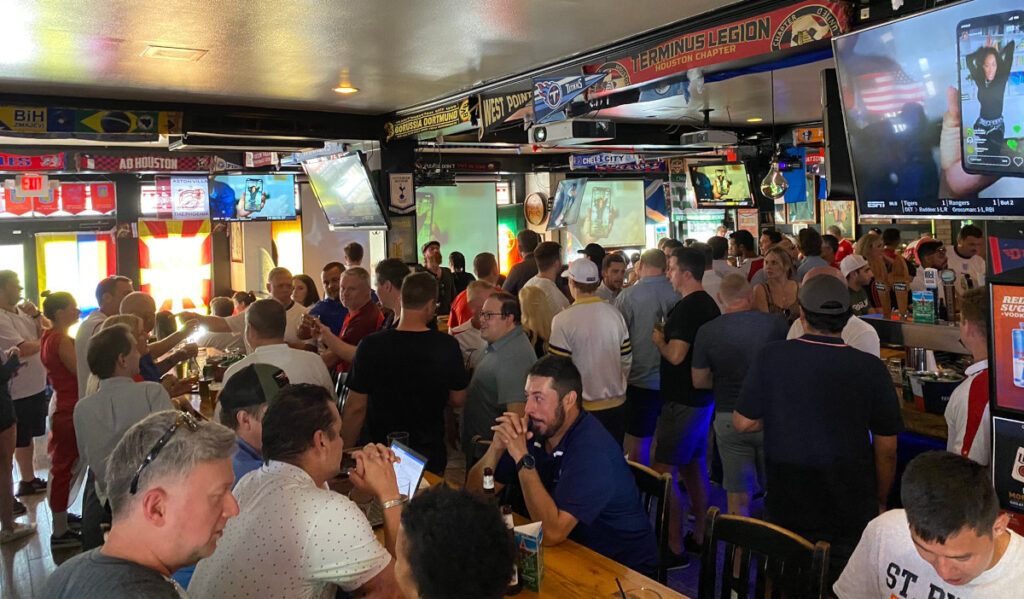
[774,185]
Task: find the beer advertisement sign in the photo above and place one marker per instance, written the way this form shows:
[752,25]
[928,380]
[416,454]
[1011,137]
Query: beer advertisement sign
[780,29]
[1007,348]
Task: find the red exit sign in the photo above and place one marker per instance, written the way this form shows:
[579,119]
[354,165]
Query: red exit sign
[31,186]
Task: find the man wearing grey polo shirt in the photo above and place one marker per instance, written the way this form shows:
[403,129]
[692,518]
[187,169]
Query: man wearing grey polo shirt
[644,305]
[499,379]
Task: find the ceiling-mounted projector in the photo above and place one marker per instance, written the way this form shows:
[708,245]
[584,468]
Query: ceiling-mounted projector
[707,139]
[571,132]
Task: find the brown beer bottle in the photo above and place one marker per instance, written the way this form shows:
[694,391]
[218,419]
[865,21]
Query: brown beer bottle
[514,586]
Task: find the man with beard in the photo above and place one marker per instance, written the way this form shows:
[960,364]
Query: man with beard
[571,473]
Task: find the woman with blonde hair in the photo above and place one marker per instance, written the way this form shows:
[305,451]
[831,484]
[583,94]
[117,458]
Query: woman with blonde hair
[537,316]
[778,294]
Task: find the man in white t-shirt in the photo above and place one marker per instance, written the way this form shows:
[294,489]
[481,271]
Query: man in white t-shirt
[109,293]
[949,542]
[549,264]
[967,413]
[857,333]
[265,324]
[594,334]
[967,258]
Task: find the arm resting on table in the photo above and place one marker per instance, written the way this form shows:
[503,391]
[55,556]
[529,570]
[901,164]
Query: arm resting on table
[557,524]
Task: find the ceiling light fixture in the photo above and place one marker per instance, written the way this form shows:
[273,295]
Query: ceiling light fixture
[774,184]
[171,53]
[345,86]
[754,119]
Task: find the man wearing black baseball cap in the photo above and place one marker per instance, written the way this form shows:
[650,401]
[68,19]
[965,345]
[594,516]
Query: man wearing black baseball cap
[595,252]
[830,417]
[243,401]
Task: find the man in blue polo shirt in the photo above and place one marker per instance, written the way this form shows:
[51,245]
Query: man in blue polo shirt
[330,310]
[570,473]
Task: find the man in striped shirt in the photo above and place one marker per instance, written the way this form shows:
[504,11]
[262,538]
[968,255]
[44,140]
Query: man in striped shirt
[967,413]
[593,333]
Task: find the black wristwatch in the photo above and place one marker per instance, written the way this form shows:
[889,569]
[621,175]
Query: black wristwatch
[527,462]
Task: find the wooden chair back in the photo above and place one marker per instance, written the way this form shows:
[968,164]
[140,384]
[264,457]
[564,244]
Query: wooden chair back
[785,565]
[655,490]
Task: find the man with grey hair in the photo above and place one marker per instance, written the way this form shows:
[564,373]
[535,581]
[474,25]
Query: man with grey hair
[265,326]
[170,482]
[722,354]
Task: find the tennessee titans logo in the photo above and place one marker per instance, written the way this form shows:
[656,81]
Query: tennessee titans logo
[551,92]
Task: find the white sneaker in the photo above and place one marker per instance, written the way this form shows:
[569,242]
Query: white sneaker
[20,531]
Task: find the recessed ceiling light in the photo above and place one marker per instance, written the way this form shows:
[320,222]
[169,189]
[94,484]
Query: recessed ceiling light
[345,89]
[169,53]
[755,119]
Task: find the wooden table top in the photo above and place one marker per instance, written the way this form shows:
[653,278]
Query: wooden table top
[572,571]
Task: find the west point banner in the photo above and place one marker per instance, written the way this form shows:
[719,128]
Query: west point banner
[779,29]
[74,122]
[498,109]
[456,113]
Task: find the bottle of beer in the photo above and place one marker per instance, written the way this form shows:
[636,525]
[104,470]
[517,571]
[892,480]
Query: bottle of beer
[489,483]
[514,586]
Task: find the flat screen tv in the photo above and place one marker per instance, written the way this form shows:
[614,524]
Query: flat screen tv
[721,185]
[345,192]
[919,95]
[252,197]
[611,212]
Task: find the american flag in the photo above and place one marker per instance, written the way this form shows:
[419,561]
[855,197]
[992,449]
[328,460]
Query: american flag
[887,92]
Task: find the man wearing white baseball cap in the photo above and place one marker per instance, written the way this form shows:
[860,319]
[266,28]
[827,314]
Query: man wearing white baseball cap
[593,333]
[858,277]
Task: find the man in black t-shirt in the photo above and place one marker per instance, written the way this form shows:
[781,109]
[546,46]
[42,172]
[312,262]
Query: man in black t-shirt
[402,379]
[682,434]
[830,417]
[442,275]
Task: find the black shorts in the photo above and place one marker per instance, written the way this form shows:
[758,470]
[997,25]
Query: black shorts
[643,406]
[31,414]
[7,415]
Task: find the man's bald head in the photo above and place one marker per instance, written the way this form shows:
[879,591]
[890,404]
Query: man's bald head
[142,305]
[824,270]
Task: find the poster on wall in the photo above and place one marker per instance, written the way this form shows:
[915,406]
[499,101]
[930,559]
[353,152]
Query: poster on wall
[403,198]
[1006,359]
[237,244]
[841,214]
[174,263]
[805,212]
[1008,463]
[746,220]
[402,239]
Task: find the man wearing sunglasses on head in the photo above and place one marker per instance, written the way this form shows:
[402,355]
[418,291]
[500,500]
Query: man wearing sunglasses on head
[169,484]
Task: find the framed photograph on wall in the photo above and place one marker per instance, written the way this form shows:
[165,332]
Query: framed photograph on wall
[805,212]
[235,239]
[402,239]
[779,213]
[841,214]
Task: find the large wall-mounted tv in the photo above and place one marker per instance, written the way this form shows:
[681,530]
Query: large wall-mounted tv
[920,94]
[252,197]
[345,192]
[721,185]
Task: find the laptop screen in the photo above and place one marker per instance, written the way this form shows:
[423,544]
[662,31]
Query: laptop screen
[410,470]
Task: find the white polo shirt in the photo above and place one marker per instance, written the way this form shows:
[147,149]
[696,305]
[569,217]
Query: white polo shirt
[15,329]
[593,333]
[555,296]
[299,366]
[290,539]
[86,330]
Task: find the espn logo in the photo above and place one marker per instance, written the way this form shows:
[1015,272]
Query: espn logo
[876,204]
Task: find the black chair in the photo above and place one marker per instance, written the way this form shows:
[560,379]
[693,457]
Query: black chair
[786,564]
[655,492]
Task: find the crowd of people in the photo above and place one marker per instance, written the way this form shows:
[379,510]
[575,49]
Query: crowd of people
[547,380]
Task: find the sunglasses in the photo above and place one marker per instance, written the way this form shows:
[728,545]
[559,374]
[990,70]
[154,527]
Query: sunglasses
[184,419]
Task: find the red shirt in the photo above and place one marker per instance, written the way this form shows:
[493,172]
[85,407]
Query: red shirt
[755,265]
[63,381]
[845,249]
[358,324]
[460,309]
